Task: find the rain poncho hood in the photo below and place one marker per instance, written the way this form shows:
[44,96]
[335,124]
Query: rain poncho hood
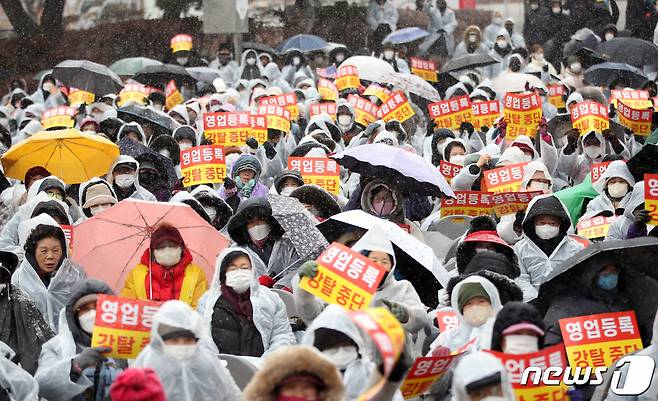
[207,196]
[140,193]
[617,168]
[19,384]
[181,110]
[250,72]
[530,169]
[185,132]
[131,127]
[200,377]
[619,228]
[376,240]
[44,184]
[475,367]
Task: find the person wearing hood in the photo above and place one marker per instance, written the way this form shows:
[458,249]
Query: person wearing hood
[581,151]
[46,274]
[244,182]
[218,211]
[501,49]
[250,65]
[274,77]
[476,302]
[481,237]
[244,317]
[454,151]
[633,223]
[471,44]
[382,19]
[389,54]
[253,228]
[346,122]
[47,93]
[491,31]
[339,54]
[166,271]
[137,384]
[399,296]
[441,23]
[296,65]
[481,376]
[286,182]
[185,198]
[167,147]
[545,244]
[15,383]
[538,62]
[609,32]
[615,190]
[317,201]
[185,136]
[185,358]
[229,69]
[470,177]
[517,40]
[518,329]
[69,367]
[96,196]
[434,145]
[134,131]
[124,179]
[180,115]
[534,26]
[573,72]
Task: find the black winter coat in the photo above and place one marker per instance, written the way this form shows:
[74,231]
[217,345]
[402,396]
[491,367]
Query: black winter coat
[233,334]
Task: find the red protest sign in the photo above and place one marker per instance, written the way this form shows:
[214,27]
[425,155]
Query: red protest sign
[588,116]
[277,117]
[323,108]
[598,169]
[555,95]
[60,117]
[202,164]
[123,325]
[396,108]
[511,202]
[172,95]
[447,319]
[638,121]
[423,68]
[287,100]
[68,234]
[347,77]
[327,90]
[522,111]
[228,129]
[504,179]
[451,113]
[320,171]
[596,227]
[634,98]
[365,111]
[449,170]
[466,203]
[651,197]
[486,113]
[423,373]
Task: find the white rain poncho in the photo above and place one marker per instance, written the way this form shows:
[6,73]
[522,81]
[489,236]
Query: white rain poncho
[270,316]
[19,384]
[461,335]
[603,203]
[140,193]
[530,169]
[548,152]
[202,376]
[619,228]
[475,367]
[49,300]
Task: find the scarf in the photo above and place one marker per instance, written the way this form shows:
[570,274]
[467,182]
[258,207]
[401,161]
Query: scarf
[240,303]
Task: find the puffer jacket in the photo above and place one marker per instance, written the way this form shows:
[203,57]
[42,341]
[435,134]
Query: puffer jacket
[619,228]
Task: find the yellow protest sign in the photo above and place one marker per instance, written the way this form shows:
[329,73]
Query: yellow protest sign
[385,331]
[522,112]
[320,171]
[466,203]
[634,98]
[172,95]
[78,97]
[58,117]
[229,129]
[485,113]
[202,165]
[638,121]
[424,372]
[181,42]
[328,108]
[278,118]
[651,197]
[347,77]
[587,116]
[596,227]
[327,90]
[365,112]
[511,202]
[396,108]
[344,278]
[287,100]
[132,93]
[555,95]
[377,91]
[424,68]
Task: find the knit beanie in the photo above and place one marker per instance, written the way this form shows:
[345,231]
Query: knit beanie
[137,384]
[468,291]
[166,233]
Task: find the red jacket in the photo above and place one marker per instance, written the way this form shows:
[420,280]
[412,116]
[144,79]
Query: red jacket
[167,282]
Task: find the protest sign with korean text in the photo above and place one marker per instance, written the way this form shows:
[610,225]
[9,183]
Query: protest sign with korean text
[638,121]
[287,100]
[327,72]
[396,108]
[446,319]
[651,197]
[123,325]
[327,90]
[202,165]
[555,95]
[365,111]
[172,95]
[68,234]
[485,114]
[380,92]
[347,77]
[423,68]
[587,116]
[449,170]
[181,42]
[598,169]
[451,113]
[504,179]
[229,129]
[511,202]
[328,108]
[595,227]
[599,340]
[321,171]
[515,365]
[277,117]
[61,117]
[344,278]
[466,203]
[78,96]
[133,93]
[423,373]
[522,111]
[634,98]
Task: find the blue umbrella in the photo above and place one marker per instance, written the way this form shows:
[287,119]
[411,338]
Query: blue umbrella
[405,35]
[303,43]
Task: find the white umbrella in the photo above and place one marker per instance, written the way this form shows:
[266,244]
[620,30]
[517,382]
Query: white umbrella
[515,82]
[370,68]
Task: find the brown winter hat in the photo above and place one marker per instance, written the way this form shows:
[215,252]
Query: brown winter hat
[294,362]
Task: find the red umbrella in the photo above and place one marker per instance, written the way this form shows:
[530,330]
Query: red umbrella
[110,244]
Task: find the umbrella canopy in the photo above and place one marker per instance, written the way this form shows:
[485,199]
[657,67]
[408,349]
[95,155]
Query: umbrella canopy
[205,74]
[469,61]
[132,65]
[40,74]
[633,51]
[405,35]
[515,82]
[261,47]
[137,150]
[146,115]
[111,243]
[369,68]
[299,226]
[606,73]
[414,84]
[304,43]
[644,162]
[88,76]
[406,171]
[415,260]
[69,154]
[159,75]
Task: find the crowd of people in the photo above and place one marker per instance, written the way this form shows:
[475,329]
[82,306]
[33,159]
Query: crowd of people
[508,280]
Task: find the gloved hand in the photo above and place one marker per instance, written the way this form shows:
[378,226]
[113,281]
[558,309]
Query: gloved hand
[399,311]
[266,281]
[545,68]
[642,217]
[608,135]
[308,269]
[444,297]
[401,367]
[229,183]
[90,357]
[612,112]
[441,350]
[270,152]
[252,143]
[468,127]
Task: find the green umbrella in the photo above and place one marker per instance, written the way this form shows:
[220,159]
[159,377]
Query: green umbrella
[574,197]
[130,65]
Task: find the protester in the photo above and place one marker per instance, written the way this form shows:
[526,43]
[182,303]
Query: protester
[137,385]
[518,329]
[96,196]
[124,178]
[15,383]
[479,376]
[471,44]
[615,187]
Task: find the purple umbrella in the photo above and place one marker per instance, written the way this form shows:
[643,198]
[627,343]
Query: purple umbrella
[406,171]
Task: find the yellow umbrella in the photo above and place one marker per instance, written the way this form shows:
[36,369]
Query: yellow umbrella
[69,154]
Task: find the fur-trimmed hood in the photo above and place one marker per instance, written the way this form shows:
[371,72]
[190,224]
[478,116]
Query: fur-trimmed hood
[207,196]
[317,197]
[250,209]
[507,288]
[288,361]
[166,142]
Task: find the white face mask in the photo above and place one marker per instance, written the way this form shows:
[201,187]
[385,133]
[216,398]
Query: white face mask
[286,191]
[296,60]
[168,256]
[547,231]
[251,61]
[476,315]
[87,320]
[47,86]
[592,151]
[89,131]
[259,232]
[124,180]
[576,68]
[211,212]
[494,398]
[472,38]
[609,36]
[340,57]
[388,54]
[341,356]
[556,10]
[181,60]
[618,190]
[502,44]
[239,280]
[344,119]
[184,146]
[538,186]
[179,352]
[497,21]
[534,6]
[97,209]
[458,159]
[165,152]
[539,57]
[518,344]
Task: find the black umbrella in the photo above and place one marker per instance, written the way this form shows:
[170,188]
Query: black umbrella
[644,162]
[634,51]
[159,75]
[87,76]
[584,37]
[469,61]
[261,47]
[606,73]
[162,123]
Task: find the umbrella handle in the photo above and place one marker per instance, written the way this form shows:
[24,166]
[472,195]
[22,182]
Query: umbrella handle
[285,270]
